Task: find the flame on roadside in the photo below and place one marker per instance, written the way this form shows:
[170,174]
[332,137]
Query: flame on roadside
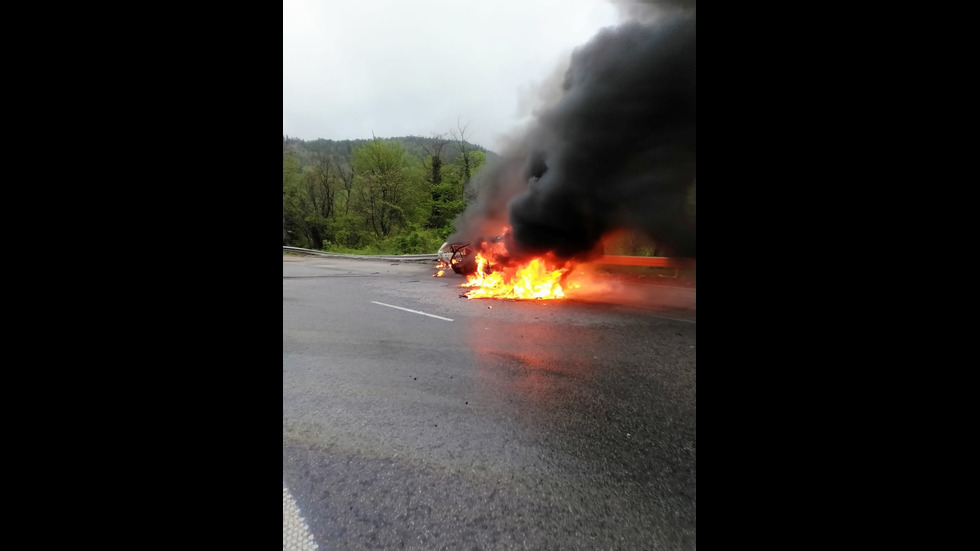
[498,276]
[533,280]
[440,268]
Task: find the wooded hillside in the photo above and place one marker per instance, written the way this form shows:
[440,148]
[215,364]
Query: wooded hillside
[384,195]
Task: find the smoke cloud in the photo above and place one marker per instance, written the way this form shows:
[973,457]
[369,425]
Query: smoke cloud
[616,151]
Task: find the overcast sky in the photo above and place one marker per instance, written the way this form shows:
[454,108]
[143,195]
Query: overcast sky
[353,68]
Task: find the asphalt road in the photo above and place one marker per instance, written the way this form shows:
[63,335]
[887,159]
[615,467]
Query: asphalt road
[416,419]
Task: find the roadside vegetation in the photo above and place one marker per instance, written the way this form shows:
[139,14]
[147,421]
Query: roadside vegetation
[379,196]
[391,195]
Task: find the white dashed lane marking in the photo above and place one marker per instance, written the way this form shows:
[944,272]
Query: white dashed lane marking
[412,311]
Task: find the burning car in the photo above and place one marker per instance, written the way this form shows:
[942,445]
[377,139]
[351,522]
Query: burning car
[458,256]
[461,256]
[491,271]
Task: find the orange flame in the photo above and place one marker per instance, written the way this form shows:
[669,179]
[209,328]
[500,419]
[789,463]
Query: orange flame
[440,265]
[533,280]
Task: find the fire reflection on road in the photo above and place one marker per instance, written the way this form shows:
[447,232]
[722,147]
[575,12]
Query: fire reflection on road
[610,400]
[534,367]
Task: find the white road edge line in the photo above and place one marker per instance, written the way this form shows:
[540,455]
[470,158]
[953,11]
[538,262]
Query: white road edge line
[412,311]
[296,534]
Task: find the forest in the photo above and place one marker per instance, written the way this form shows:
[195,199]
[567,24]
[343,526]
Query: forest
[377,196]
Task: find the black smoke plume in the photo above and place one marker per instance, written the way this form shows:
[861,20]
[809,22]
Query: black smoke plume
[617,151]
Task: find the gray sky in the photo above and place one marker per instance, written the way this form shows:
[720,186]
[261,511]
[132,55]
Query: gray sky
[353,68]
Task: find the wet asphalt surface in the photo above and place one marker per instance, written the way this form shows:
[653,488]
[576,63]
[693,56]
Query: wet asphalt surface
[517,425]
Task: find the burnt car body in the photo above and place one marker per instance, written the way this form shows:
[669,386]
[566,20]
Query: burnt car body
[461,256]
[458,256]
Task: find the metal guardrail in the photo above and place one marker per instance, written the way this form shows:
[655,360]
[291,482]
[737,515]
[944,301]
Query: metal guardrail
[432,257]
[611,260]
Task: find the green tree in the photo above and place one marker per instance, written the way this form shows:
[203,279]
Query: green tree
[384,196]
[456,178]
[345,171]
[291,213]
[459,136]
[432,162]
[317,200]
